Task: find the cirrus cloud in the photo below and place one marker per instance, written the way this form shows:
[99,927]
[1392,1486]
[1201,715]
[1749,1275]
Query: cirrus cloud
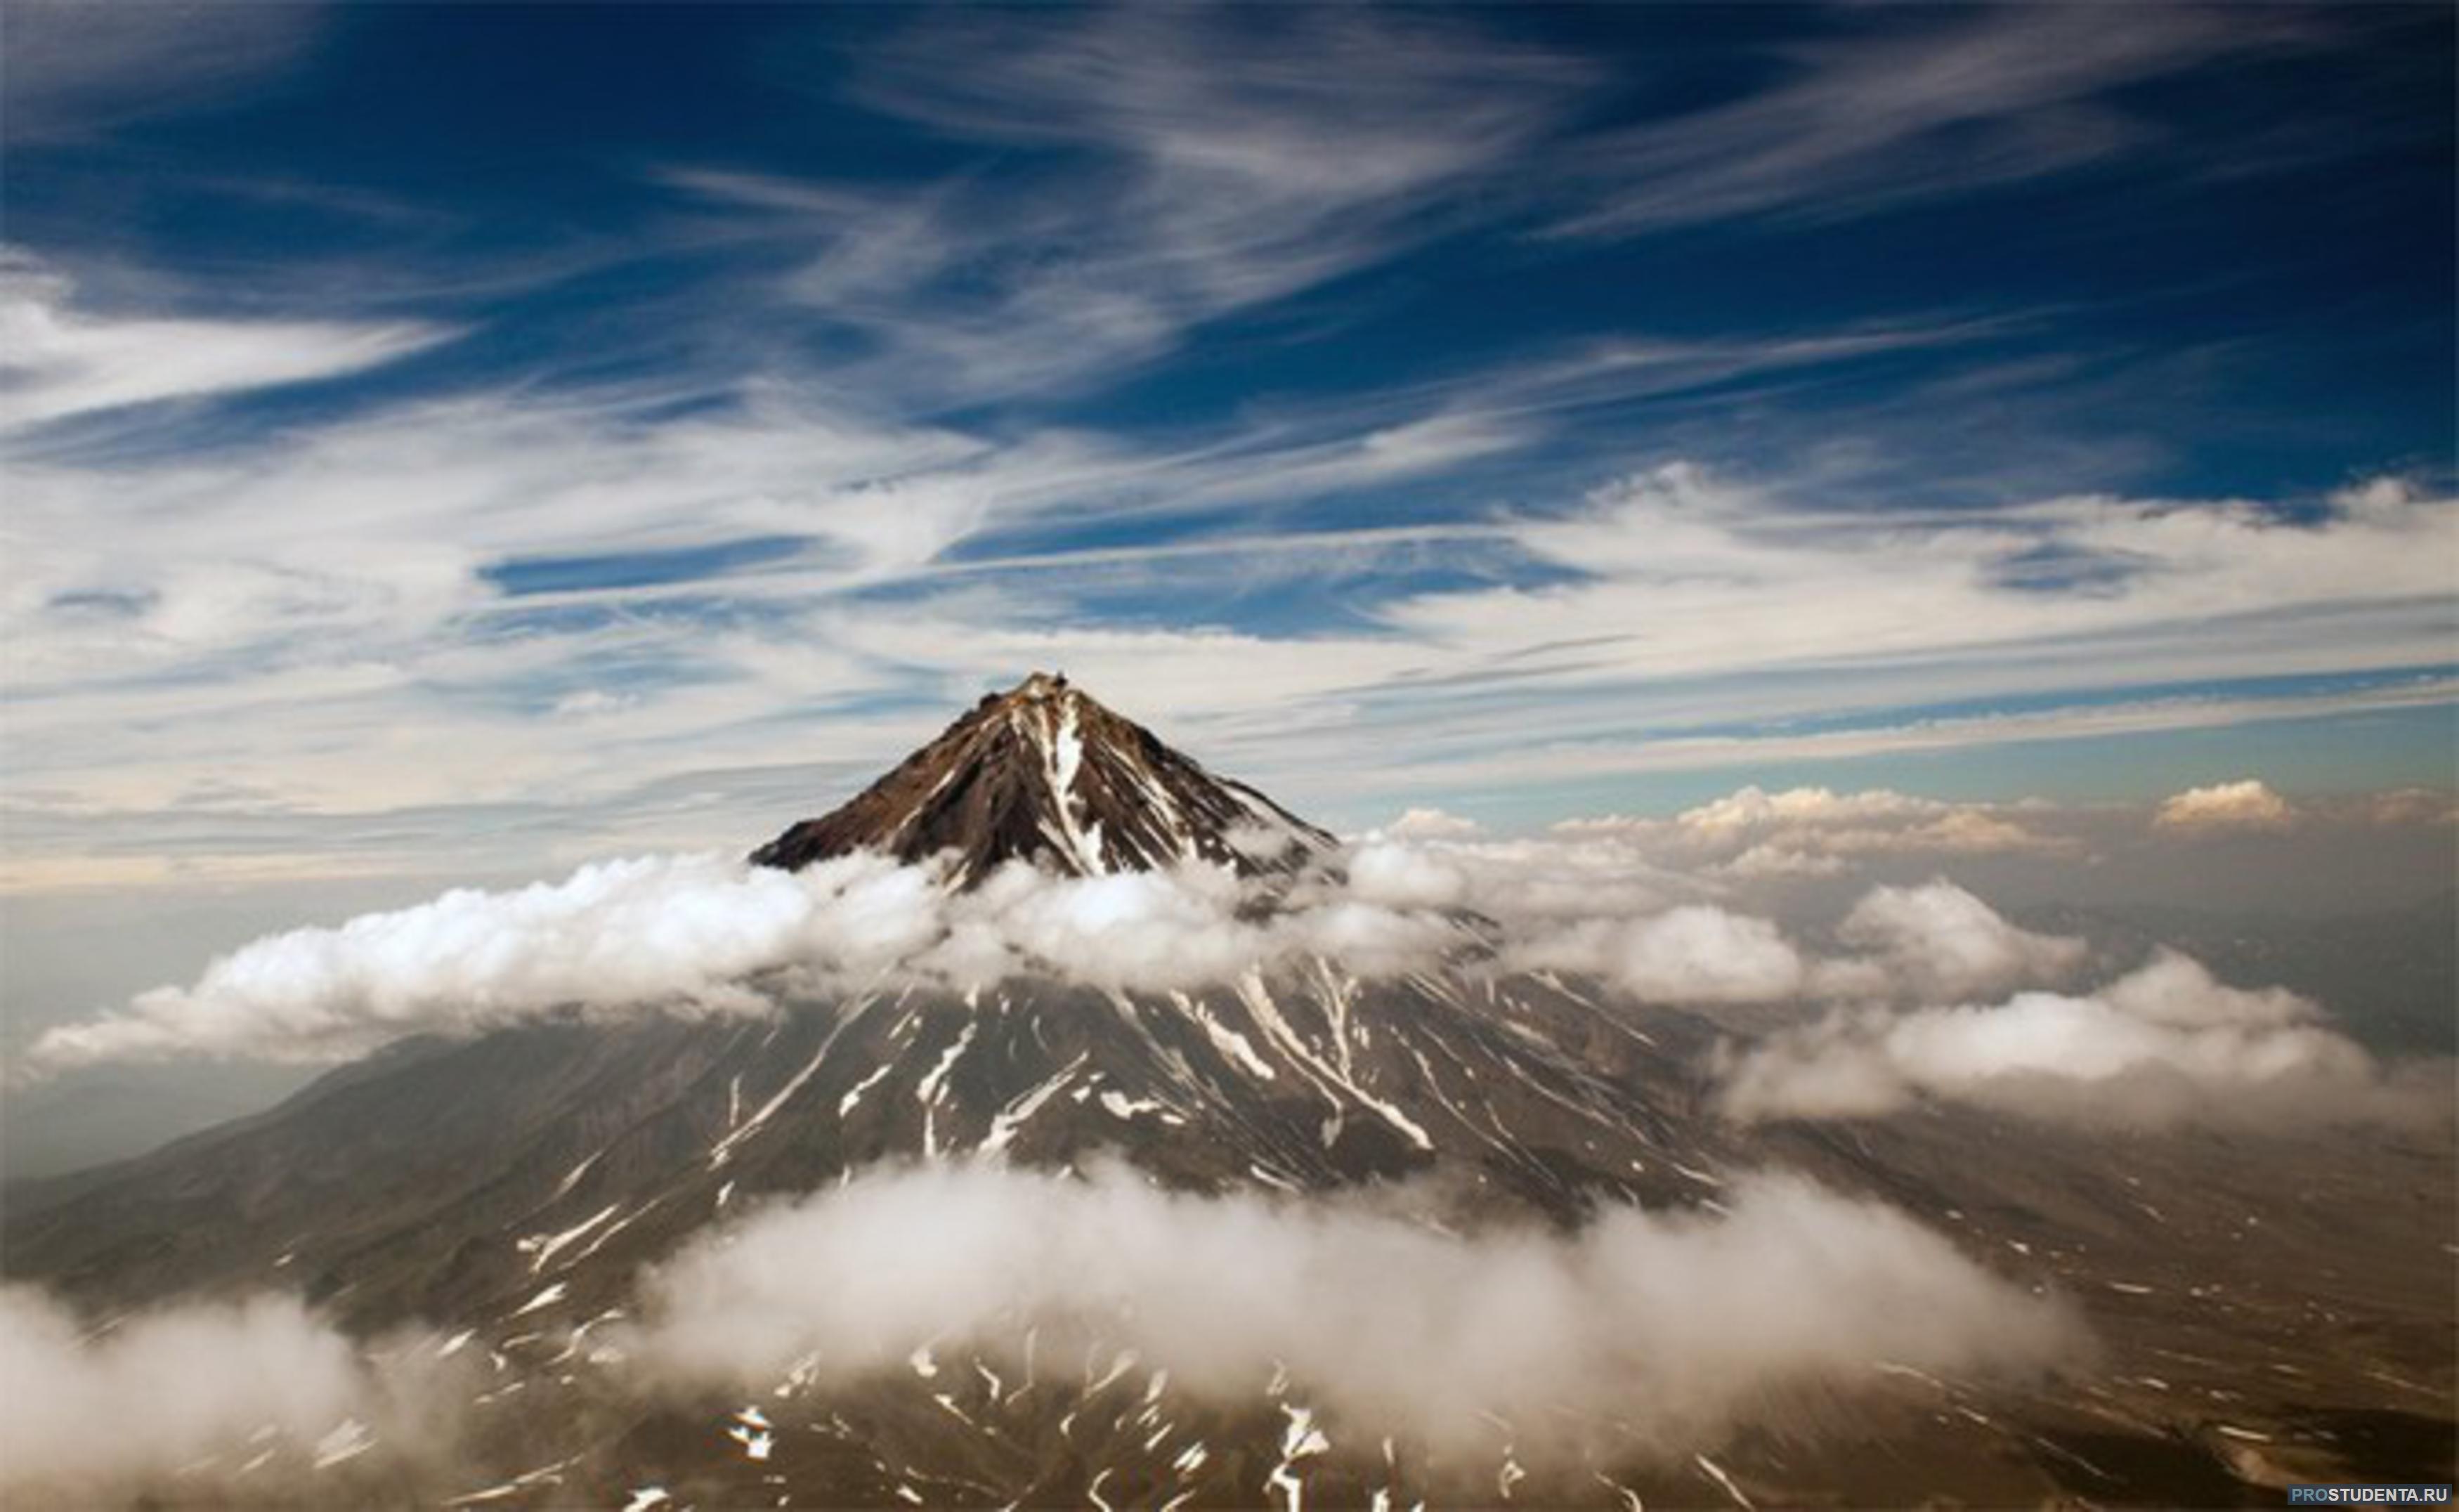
[61,360]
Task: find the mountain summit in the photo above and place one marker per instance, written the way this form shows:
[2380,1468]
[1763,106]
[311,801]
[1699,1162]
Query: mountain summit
[1043,773]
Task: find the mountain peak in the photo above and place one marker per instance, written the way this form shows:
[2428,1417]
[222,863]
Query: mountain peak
[1045,773]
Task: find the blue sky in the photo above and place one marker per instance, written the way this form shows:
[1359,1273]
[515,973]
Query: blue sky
[524,432]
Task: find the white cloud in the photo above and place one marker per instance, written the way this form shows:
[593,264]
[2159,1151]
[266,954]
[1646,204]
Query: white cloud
[1431,823]
[333,582]
[1212,165]
[695,935]
[58,360]
[1817,831]
[73,67]
[2408,806]
[1686,1324]
[681,933]
[1691,1324]
[699,934]
[1517,881]
[1754,808]
[2161,1045]
[1903,109]
[197,1390]
[1676,568]
[2244,805]
[1693,953]
[1939,939]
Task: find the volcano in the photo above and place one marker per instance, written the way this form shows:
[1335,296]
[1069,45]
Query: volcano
[509,1190]
[392,1179]
[1045,775]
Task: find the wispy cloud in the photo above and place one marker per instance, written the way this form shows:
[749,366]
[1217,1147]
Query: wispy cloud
[550,602]
[73,67]
[1677,564]
[58,359]
[1895,107]
[852,444]
[1180,165]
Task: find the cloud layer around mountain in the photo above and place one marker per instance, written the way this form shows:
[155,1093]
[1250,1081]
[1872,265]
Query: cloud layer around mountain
[1920,991]
[1688,1324]
[240,1398]
[2163,1045]
[701,935]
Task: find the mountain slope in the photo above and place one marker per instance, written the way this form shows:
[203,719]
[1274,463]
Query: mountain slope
[1044,775]
[391,1188]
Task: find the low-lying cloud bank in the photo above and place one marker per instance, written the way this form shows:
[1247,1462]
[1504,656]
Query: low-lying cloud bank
[2164,1044]
[701,935]
[1641,1333]
[245,1395]
[1675,1327]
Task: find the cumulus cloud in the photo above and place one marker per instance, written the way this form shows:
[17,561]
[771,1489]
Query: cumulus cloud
[1684,1323]
[2246,804]
[1567,875]
[211,1391]
[1938,938]
[684,933]
[702,933]
[1754,833]
[2164,1044]
[1698,952]
[695,935]
[1431,823]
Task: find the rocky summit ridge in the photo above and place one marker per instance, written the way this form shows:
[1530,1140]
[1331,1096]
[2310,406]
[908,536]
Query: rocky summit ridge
[1046,774]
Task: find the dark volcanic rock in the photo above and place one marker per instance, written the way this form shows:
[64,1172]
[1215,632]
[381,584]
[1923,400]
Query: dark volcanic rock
[1043,773]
